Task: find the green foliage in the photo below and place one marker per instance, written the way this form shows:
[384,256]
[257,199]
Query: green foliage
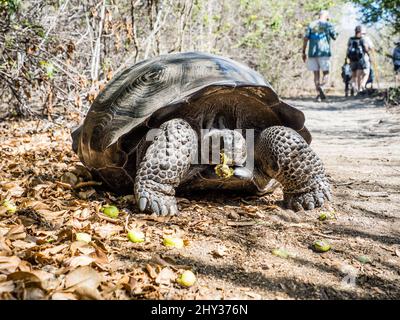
[36,28]
[48,68]
[9,6]
[374,11]
[317,5]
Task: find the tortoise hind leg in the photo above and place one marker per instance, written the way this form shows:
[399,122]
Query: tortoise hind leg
[285,156]
[165,162]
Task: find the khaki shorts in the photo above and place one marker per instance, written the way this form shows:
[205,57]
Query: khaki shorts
[318,63]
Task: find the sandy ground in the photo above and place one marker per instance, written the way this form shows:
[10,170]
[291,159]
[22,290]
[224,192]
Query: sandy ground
[358,140]
[229,240]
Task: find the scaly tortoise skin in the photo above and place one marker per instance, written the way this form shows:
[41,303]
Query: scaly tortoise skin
[181,94]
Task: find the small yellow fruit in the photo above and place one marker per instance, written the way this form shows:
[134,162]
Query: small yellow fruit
[187,279]
[280,253]
[326,215]
[364,259]
[173,242]
[321,246]
[81,236]
[110,211]
[10,206]
[136,236]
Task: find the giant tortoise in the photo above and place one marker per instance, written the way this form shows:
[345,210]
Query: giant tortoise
[144,131]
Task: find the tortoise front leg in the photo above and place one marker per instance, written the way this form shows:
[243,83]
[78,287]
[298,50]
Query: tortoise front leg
[284,155]
[164,164]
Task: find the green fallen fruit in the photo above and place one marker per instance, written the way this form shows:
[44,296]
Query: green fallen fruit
[173,242]
[326,215]
[321,246]
[364,259]
[84,237]
[10,206]
[187,279]
[280,253]
[110,211]
[136,236]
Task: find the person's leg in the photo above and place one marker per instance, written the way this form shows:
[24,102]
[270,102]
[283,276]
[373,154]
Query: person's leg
[324,63]
[364,79]
[316,79]
[312,65]
[359,76]
[366,71]
[325,78]
[353,79]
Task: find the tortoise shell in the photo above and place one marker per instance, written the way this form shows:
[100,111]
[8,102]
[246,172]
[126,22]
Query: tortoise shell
[197,87]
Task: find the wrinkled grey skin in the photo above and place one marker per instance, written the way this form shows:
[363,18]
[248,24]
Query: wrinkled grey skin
[181,94]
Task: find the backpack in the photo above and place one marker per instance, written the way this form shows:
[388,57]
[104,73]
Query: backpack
[355,51]
[396,56]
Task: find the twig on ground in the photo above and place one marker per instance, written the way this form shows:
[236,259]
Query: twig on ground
[87,184]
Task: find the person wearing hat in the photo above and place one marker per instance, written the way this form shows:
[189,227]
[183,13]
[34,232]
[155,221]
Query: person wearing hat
[357,52]
[318,36]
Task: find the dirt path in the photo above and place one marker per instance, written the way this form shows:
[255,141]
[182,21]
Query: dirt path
[358,140]
[229,239]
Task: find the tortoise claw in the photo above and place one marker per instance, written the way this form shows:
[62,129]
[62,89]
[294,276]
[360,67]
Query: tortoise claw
[308,200]
[155,207]
[164,210]
[142,204]
[152,201]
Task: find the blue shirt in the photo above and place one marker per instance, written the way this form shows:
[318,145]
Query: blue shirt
[319,33]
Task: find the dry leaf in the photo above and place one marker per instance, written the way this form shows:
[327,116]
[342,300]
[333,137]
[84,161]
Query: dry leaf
[84,281]
[34,294]
[12,188]
[152,272]
[3,245]
[63,296]
[36,205]
[22,244]
[108,230]
[165,276]
[9,264]
[79,261]
[7,286]
[82,247]
[55,250]
[48,280]
[28,278]
[16,232]
[219,252]
[99,255]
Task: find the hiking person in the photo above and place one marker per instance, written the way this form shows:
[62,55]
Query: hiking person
[357,50]
[396,60]
[369,74]
[370,79]
[346,76]
[318,35]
